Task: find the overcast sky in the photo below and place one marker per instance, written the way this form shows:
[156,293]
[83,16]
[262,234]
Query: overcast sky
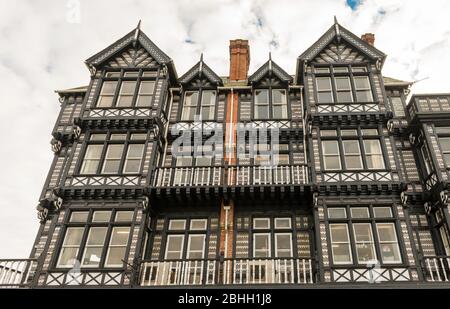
[44,44]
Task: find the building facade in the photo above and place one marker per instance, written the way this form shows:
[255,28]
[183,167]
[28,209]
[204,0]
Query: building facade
[327,177]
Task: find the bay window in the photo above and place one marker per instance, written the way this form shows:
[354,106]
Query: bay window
[96,238]
[373,230]
[113,153]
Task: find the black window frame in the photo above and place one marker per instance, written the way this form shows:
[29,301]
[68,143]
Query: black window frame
[121,78]
[107,141]
[87,225]
[270,90]
[360,138]
[351,74]
[349,221]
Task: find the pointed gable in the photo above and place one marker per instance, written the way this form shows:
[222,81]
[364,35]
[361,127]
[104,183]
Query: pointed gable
[134,50]
[270,69]
[339,45]
[200,73]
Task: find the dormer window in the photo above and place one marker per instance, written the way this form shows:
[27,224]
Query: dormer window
[192,107]
[270,104]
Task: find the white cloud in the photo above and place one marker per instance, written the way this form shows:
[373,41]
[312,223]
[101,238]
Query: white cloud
[42,51]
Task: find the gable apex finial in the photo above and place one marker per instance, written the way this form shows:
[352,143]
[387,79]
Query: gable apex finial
[200,69]
[335,20]
[136,33]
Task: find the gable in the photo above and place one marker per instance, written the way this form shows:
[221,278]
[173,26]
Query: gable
[270,72]
[340,53]
[134,57]
[200,75]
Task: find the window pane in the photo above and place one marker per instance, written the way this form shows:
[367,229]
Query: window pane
[325,97]
[348,132]
[174,246]
[390,251]
[189,106]
[352,154]
[131,74]
[73,236]
[340,69]
[366,132]
[261,223]
[112,74]
[138,136]
[382,212]
[359,212]
[364,96]
[283,245]
[196,246]
[133,158]
[330,147]
[145,93]
[331,157]
[97,137]
[337,213]
[79,216]
[362,82]
[261,245]
[322,70]
[109,88]
[177,224]
[68,256]
[198,224]
[115,256]
[101,216]
[397,106]
[365,249]
[374,156]
[208,104]
[91,159]
[323,83]
[279,111]
[359,69]
[124,216]
[442,130]
[282,223]
[113,158]
[94,246]
[340,244]
[118,137]
[119,236]
[363,90]
[328,133]
[126,93]
[262,96]
[342,83]
[262,111]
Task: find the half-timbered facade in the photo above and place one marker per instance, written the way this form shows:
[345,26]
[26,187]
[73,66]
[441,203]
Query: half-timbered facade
[329,176]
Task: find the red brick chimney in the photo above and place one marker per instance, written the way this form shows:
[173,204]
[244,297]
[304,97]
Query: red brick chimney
[369,38]
[239,59]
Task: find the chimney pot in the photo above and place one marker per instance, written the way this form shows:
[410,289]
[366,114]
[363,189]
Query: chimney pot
[369,38]
[239,59]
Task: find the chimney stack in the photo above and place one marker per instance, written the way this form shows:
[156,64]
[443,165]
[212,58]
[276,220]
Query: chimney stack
[369,38]
[239,59]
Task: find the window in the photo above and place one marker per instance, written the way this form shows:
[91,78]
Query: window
[261,223]
[174,247]
[145,94]
[445,146]
[94,246]
[117,246]
[70,247]
[107,94]
[195,237]
[112,160]
[348,86]
[279,104]
[262,104]
[374,156]
[362,89]
[113,154]
[365,248]
[390,252]
[340,244]
[189,106]
[126,94]
[91,159]
[261,245]
[331,158]
[208,105]
[196,246]
[97,238]
[283,223]
[324,90]
[133,159]
[352,155]
[360,227]
[343,89]
[283,245]
[270,104]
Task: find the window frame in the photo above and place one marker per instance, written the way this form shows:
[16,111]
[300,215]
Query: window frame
[105,142]
[198,105]
[121,76]
[270,103]
[86,227]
